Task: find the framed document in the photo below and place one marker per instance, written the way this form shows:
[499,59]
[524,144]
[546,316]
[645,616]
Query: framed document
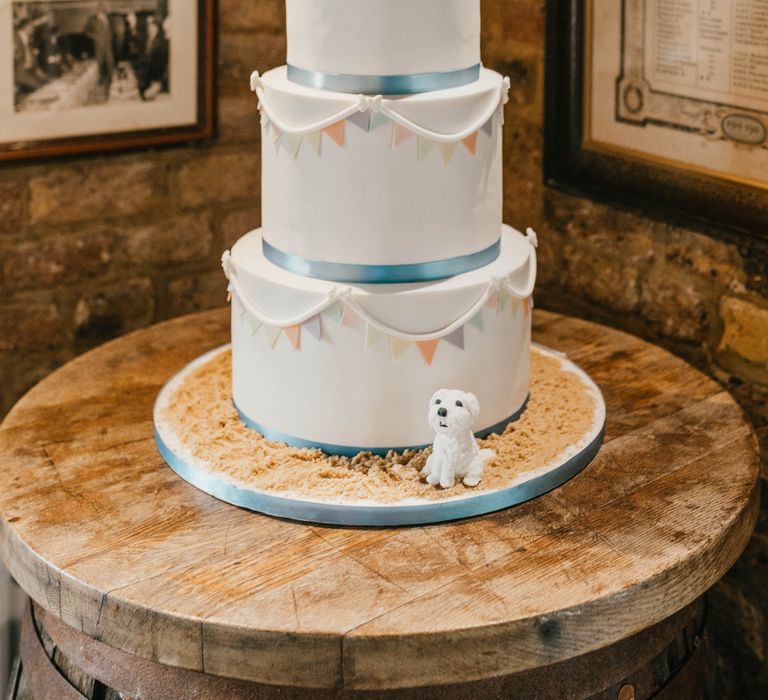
[79,76]
[662,104]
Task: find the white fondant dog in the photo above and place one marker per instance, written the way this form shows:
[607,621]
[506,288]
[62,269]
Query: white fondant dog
[455,452]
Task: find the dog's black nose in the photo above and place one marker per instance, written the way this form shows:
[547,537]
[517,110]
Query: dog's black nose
[442,412]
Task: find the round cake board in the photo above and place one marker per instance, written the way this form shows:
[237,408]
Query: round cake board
[369,514]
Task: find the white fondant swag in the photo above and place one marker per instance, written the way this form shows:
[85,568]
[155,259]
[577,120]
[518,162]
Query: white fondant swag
[340,306]
[369,113]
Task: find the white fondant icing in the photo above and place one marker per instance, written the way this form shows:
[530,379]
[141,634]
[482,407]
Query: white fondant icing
[383,37]
[335,391]
[370,203]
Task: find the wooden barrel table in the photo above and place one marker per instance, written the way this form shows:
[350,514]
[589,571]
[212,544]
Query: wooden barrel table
[144,587]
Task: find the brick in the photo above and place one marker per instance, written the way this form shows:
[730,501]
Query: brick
[108,311]
[58,259]
[745,330]
[264,15]
[220,178]
[523,76]
[505,24]
[241,54]
[12,203]
[522,182]
[235,224]
[715,261]
[31,326]
[672,301]
[90,192]
[197,293]
[604,281]
[238,118]
[177,240]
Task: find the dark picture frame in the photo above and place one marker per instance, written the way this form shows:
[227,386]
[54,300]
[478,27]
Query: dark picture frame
[658,188]
[202,128]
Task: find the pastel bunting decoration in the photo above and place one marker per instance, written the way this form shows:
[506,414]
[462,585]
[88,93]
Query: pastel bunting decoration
[362,120]
[254,325]
[292,143]
[504,298]
[273,333]
[493,301]
[333,312]
[427,348]
[377,120]
[314,327]
[527,305]
[276,133]
[349,317]
[293,333]
[477,321]
[471,143]
[373,336]
[336,132]
[315,141]
[400,135]
[447,150]
[487,128]
[424,146]
[456,338]
[398,347]
[513,308]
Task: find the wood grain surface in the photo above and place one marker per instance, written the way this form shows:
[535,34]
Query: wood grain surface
[104,536]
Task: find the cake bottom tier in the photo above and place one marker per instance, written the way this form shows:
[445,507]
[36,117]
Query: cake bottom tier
[352,368]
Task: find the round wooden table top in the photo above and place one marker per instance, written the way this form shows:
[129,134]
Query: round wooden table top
[101,533]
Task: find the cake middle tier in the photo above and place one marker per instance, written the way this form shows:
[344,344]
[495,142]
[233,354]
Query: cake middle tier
[356,187]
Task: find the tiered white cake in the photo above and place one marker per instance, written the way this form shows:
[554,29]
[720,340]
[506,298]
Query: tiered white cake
[382,271]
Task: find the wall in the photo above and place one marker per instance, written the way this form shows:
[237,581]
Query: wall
[95,247]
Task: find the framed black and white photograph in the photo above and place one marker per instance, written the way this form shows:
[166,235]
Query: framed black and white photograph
[662,104]
[80,76]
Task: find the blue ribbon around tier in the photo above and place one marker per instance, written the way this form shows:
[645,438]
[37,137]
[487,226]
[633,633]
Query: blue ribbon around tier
[381,274]
[407,84]
[350,450]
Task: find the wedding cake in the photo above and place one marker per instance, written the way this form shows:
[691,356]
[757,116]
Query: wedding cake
[382,272]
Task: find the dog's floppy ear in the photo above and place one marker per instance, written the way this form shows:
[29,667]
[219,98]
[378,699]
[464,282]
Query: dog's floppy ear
[473,404]
[435,396]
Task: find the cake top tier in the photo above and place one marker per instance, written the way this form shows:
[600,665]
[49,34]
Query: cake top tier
[383,46]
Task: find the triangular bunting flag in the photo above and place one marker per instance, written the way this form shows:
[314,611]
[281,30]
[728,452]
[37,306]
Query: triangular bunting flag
[456,338]
[276,133]
[493,301]
[333,312]
[487,128]
[373,335]
[314,140]
[477,320]
[471,143]
[362,120]
[377,120]
[424,146]
[400,135]
[314,327]
[447,150]
[273,333]
[397,347]
[293,333]
[527,307]
[254,325]
[349,317]
[427,349]
[513,307]
[504,298]
[292,143]
[336,132]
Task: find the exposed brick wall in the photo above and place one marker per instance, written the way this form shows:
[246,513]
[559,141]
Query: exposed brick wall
[95,247]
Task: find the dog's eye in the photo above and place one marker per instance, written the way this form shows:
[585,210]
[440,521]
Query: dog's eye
[438,401]
[459,404]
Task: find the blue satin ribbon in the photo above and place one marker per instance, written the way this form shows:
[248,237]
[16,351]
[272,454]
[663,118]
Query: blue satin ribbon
[381,274]
[474,504]
[407,84]
[351,451]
